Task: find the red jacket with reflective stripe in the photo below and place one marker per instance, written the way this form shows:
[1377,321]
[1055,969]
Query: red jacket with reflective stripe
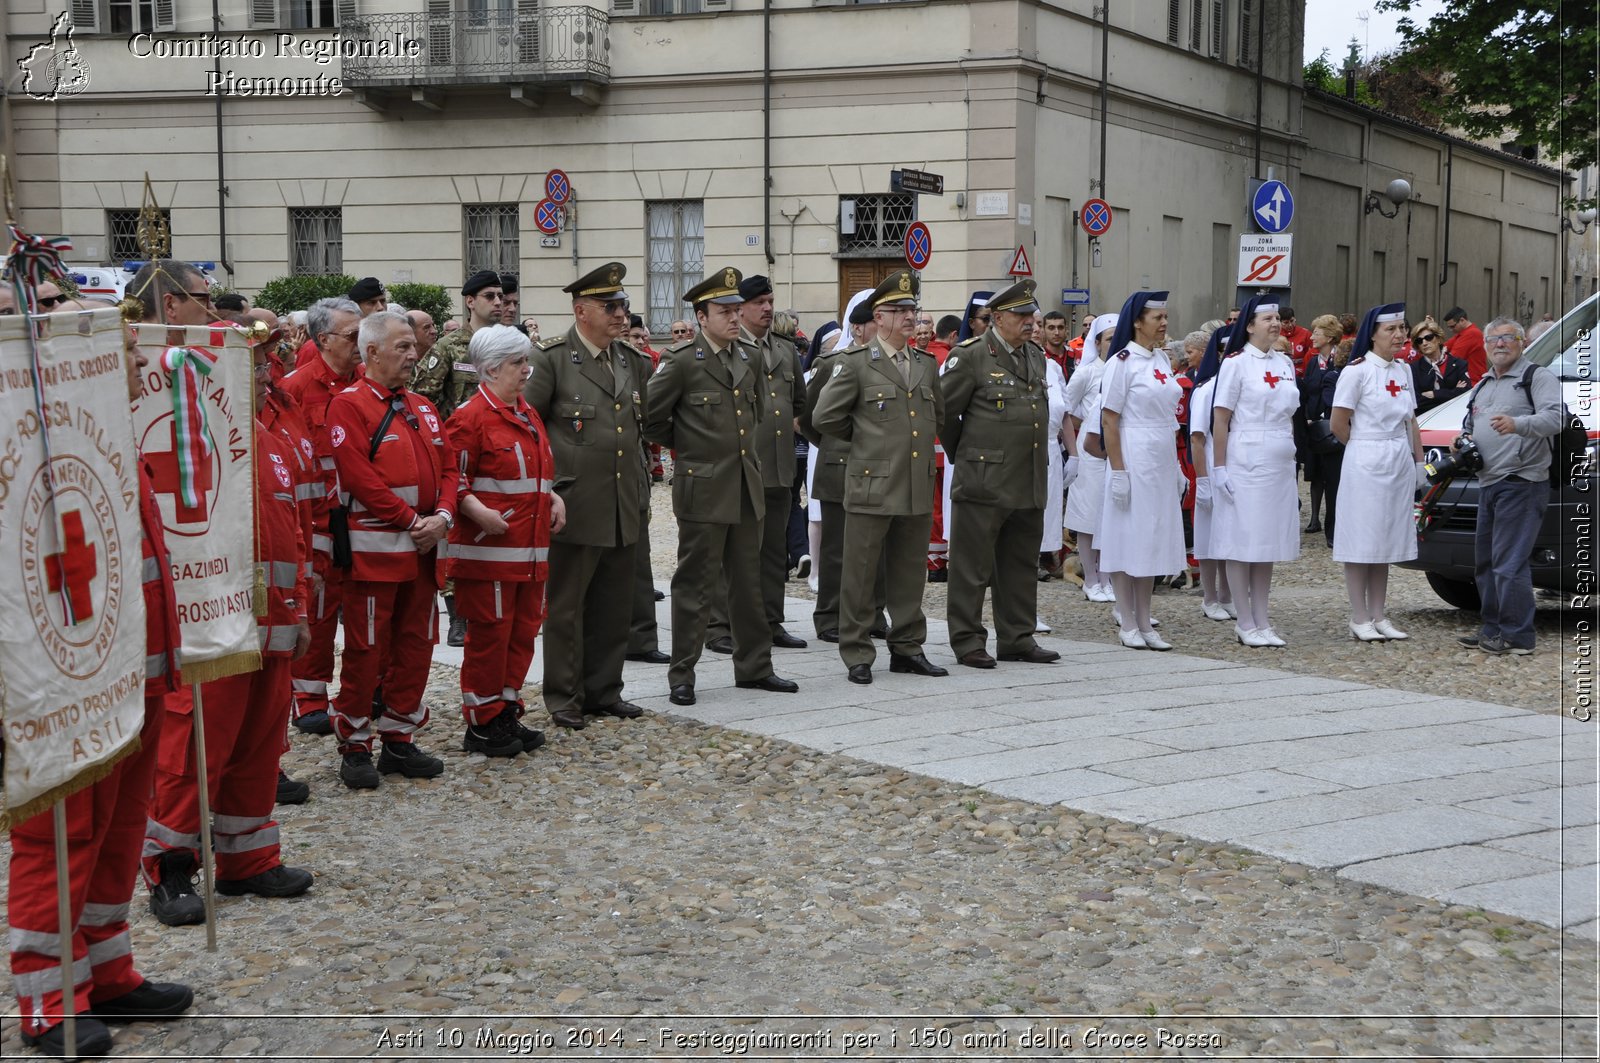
[162,639]
[506,464]
[280,415]
[387,492]
[312,387]
[282,550]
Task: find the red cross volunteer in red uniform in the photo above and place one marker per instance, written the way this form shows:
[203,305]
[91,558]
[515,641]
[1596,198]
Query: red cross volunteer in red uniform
[499,550]
[333,324]
[105,822]
[397,471]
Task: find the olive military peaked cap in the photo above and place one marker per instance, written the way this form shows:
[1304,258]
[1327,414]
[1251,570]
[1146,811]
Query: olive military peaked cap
[603,283]
[1018,299]
[900,288]
[721,287]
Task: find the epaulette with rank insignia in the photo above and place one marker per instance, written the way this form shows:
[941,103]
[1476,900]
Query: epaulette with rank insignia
[681,346]
[920,350]
[1357,360]
[1123,354]
[969,343]
[551,344]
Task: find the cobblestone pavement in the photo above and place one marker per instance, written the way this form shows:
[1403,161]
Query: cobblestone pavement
[667,868]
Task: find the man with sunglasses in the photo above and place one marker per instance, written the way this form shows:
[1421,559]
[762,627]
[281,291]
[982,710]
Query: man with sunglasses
[173,292]
[588,387]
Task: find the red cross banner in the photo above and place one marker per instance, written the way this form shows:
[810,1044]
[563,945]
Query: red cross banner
[72,624]
[195,426]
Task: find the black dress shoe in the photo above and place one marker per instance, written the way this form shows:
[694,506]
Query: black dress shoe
[773,683]
[879,633]
[1034,655]
[622,710]
[916,664]
[721,644]
[830,635]
[650,657]
[314,723]
[91,1039]
[785,641]
[939,575]
[976,659]
[861,673]
[457,635]
[682,694]
[569,718]
[152,1000]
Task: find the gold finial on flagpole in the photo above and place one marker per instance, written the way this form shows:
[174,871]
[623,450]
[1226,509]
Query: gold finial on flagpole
[153,234]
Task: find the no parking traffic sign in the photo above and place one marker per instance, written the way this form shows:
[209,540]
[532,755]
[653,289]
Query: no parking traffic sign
[1096,217]
[547,216]
[919,246]
[557,187]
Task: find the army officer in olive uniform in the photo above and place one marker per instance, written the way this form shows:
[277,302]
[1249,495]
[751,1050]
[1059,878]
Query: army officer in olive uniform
[996,433]
[588,387]
[705,403]
[884,398]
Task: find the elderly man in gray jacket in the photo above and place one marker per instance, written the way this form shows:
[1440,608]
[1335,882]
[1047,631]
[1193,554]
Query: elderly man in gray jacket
[1512,415]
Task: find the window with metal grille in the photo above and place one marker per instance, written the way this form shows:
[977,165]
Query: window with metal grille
[675,251]
[123,228]
[316,240]
[881,221]
[492,242]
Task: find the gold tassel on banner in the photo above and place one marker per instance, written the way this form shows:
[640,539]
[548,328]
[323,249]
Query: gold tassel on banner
[258,593]
[11,817]
[222,667]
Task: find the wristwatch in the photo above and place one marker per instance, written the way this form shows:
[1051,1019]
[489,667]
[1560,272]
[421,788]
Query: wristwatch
[449,521]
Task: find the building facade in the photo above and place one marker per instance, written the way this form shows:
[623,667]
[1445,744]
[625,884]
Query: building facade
[410,139]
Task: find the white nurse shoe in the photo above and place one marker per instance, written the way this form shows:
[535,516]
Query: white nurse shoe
[1154,641]
[1133,640]
[1365,633]
[1388,630]
[1215,611]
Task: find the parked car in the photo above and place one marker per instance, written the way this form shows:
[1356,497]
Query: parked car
[1564,553]
[111,282]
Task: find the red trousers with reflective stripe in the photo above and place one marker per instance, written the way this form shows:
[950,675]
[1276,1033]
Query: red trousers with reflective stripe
[245,717]
[389,633]
[105,827]
[938,545]
[503,619]
[313,672]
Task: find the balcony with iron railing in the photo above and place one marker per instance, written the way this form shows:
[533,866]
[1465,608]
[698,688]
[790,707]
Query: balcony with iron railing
[528,45]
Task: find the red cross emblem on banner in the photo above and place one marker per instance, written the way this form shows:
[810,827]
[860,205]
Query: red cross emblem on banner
[164,465]
[1394,387]
[70,572]
[1161,376]
[1272,381]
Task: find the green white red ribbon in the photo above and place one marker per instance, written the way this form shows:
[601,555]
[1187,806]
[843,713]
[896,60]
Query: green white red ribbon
[35,260]
[192,435]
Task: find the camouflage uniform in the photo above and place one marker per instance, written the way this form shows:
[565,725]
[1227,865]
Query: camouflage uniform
[446,375]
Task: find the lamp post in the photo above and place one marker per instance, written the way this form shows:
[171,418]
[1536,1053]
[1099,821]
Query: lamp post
[1398,192]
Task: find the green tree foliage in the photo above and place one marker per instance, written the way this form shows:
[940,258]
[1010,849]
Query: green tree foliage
[1516,67]
[430,297]
[285,294]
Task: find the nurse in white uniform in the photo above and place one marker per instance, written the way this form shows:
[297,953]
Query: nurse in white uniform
[1056,472]
[1256,507]
[1216,598]
[1141,523]
[1087,472]
[1374,415]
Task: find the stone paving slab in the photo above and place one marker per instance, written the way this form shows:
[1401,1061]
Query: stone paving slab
[1464,801]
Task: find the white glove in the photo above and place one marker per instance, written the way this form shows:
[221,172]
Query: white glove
[1121,489]
[1183,484]
[1071,473]
[1202,491]
[1222,486]
[1422,476]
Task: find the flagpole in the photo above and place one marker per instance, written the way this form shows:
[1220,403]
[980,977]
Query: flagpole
[207,883]
[65,931]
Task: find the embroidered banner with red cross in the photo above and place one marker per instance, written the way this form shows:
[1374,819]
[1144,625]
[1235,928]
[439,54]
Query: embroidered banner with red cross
[195,427]
[72,624]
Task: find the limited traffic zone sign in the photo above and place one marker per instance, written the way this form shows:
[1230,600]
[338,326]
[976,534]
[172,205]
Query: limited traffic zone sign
[547,216]
[557,187]
[919,246]
[1096,217]
[1264,260]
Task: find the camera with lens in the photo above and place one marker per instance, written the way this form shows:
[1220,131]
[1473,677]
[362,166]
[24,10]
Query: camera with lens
[1464,460]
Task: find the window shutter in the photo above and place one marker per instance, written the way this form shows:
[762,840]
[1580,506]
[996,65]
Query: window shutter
[1216,29]
[86,16]
[1197,26]
[441,27]
[1174,20]
[624,7]
[716,5]
[264,14]
[166,17]
[1247,29]
[528,50]
[344,13]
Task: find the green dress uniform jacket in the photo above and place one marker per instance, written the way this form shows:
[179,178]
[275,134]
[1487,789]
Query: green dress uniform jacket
[785,400]
[889,424]
[827,482]
[707,408]
[594,416]
[996,409]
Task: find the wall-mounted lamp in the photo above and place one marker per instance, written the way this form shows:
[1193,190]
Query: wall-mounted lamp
[1398,192]
[1585,219]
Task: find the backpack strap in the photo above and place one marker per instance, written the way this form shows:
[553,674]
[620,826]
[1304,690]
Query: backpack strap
[377,437]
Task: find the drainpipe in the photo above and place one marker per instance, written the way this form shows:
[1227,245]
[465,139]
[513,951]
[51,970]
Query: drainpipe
[766,132]
[222,186]
[1261,52]
[1449,169]
[1105,73]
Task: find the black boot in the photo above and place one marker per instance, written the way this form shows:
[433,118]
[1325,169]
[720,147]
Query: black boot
[91,1038]
[457,635]
[173,900]
[495,738]
[408,760]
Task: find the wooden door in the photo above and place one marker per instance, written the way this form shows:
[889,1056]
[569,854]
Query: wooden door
[858,273]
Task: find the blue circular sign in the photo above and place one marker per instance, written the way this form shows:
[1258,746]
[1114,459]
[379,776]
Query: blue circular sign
[557,188]
[547,216]
[919,245]
[1272,206]
[1096,217]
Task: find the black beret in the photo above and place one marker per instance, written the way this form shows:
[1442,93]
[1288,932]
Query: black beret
[366,288]
[754,287]
[862,313]
[484,278]
[508,283]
